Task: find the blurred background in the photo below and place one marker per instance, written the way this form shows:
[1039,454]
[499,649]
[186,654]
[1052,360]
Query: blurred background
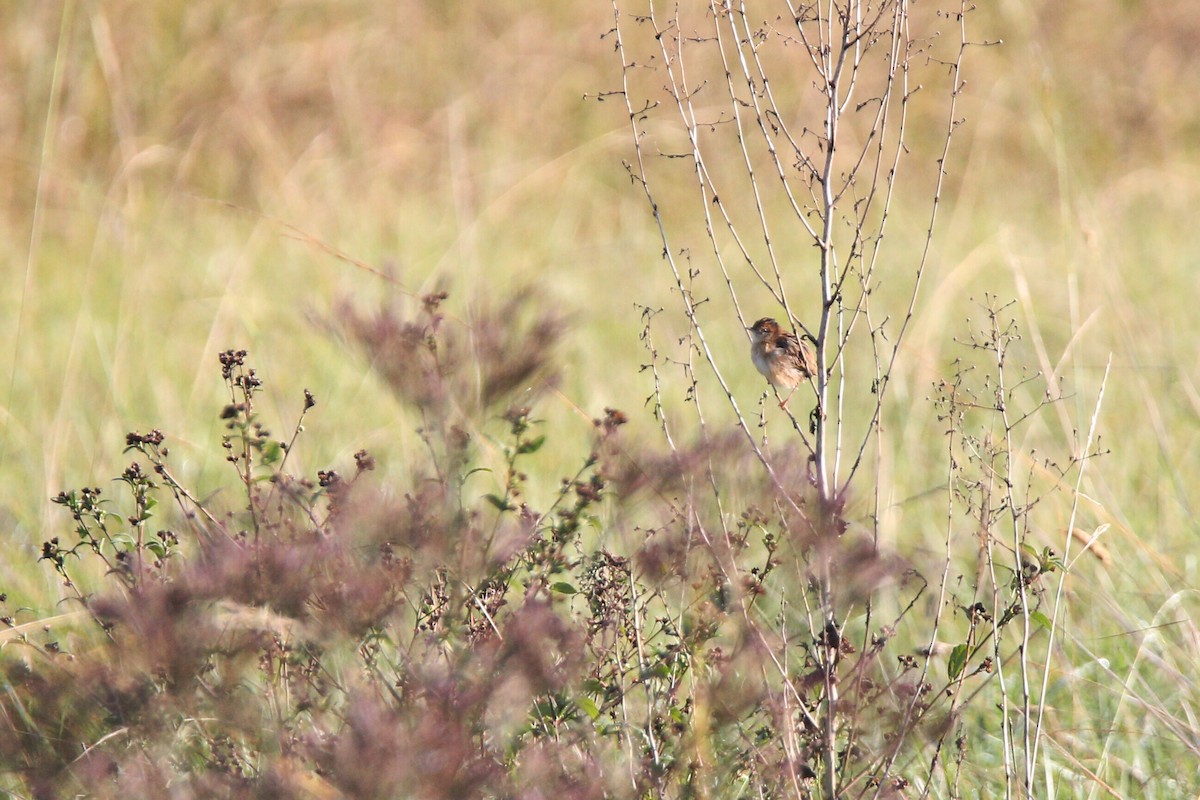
[181,178]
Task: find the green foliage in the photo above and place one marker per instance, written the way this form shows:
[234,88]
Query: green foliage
[314,632]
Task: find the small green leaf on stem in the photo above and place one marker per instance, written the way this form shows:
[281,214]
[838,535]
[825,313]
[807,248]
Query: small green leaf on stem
[531,445]
[588,706]
[957,661]
[498,502]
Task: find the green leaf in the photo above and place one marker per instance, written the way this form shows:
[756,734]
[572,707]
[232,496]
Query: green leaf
[376,635]
[1041,619]
[588,706]
[498,502]
[1050,561]
[659,670]
[531,445]
[957,662]
[272,452]
[563,587]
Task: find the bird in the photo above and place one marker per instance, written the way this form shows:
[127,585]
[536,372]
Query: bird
[784,360]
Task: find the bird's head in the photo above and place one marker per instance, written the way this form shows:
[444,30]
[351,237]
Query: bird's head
[764,330]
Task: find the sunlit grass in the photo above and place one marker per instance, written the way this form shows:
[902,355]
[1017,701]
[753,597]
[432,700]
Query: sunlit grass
[203,162]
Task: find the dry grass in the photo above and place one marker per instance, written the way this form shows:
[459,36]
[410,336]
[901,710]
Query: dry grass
[176,179]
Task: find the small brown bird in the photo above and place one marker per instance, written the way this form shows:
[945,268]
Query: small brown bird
[783,359]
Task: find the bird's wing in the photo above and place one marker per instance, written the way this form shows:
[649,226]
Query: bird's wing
[799,352]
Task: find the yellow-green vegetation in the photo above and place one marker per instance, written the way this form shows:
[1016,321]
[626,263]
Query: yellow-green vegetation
[179,179]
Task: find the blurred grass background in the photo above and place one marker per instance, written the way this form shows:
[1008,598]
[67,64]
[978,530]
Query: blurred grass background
[166,168]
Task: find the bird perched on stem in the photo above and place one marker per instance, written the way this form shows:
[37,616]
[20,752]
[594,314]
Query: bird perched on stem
[783,359]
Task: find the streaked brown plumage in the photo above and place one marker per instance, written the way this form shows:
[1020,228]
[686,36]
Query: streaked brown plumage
[783,359]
